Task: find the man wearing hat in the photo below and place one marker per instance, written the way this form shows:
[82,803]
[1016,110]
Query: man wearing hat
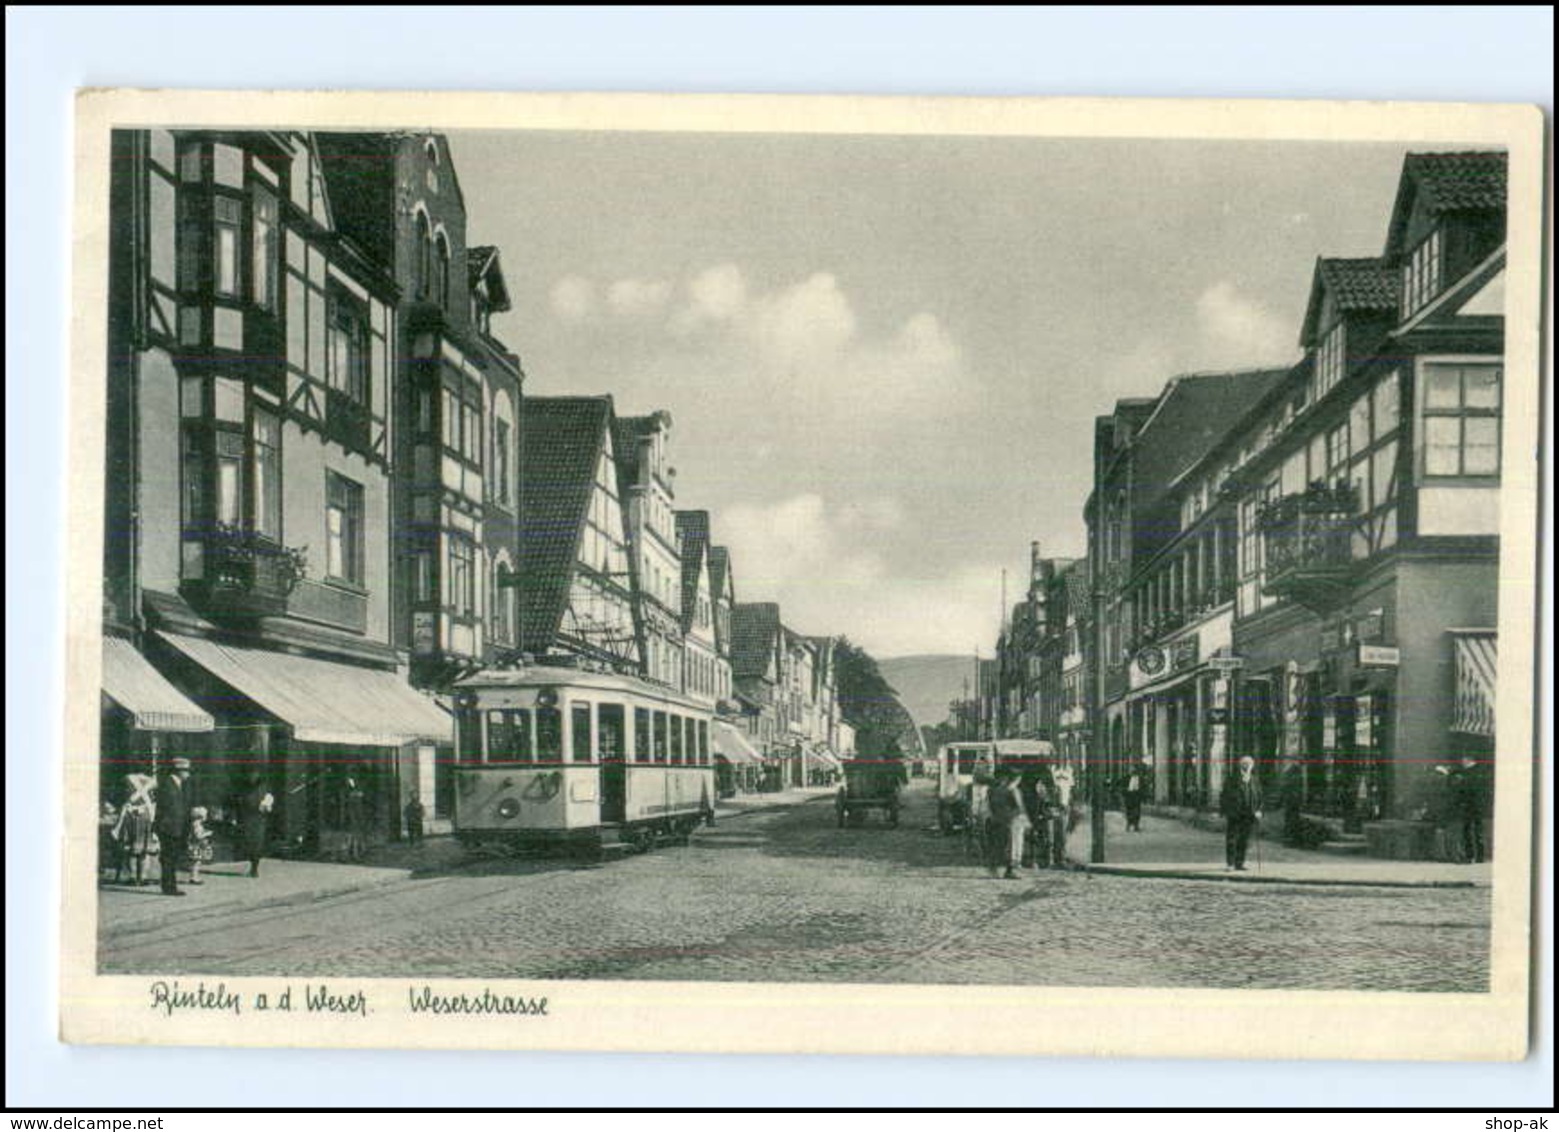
[1241,812]
[172,822]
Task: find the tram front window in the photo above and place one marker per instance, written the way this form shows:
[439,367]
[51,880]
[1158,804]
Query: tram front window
[613,732]
[509,736]
[468,731]
[584,740]
[549,735]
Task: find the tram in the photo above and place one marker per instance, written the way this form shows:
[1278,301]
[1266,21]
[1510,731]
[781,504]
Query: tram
[553,756]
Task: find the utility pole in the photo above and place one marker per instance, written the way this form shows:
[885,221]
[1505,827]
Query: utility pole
[1097,732]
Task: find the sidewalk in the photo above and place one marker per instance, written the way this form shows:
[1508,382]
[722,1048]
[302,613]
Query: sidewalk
[1174,849]
[775,800]
[227,885]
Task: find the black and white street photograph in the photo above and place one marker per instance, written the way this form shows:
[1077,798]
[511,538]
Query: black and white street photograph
[828,549]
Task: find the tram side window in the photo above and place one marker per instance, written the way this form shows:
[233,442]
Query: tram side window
[469,730]
[584,741]
[641,735]
[509,736]
[676,740]
[692,743]
[549,735]
[660,737]
[703,742]
[613,732]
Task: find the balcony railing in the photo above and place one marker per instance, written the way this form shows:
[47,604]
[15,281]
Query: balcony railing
[244,574]
[1309,543]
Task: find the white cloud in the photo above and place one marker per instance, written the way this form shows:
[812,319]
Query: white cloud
[573,298]
[819,562]
[637,298]
[1235,330]
[714,295]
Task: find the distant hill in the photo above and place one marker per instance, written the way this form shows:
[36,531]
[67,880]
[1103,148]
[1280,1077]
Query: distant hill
[927,684]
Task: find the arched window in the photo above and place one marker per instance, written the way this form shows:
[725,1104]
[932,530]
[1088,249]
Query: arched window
[423,252]
[441,266]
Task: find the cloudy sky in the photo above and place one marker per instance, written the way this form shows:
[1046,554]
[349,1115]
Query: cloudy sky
[883,355]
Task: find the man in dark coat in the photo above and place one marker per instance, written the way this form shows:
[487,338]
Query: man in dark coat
[254,814]
[172,823]
[1469,803]
[1241,807]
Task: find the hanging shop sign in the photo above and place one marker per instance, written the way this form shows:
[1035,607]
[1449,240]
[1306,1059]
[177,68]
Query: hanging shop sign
[1379,656]
[1151,660]
[1226,663]
[1186,653]
[1331,637]
[1370,626]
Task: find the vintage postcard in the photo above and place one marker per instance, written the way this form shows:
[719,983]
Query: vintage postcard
[804,574]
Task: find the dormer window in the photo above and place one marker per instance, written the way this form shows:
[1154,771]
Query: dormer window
[1421,275]
[1329,359]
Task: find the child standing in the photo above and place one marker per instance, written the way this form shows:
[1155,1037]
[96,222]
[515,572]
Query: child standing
[200,851]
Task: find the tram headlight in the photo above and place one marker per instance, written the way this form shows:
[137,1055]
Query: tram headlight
[509,808]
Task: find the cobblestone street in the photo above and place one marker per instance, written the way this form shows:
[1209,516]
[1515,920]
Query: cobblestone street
[785,895]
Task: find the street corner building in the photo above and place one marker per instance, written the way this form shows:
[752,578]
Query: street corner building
[1301,564]
[312,474]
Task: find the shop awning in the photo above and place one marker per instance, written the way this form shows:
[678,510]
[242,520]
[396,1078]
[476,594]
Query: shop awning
[324,702]
[156,705]
[1477,663]
[733,746]
[826,757]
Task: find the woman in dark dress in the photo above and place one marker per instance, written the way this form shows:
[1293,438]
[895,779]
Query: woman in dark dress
[254,817]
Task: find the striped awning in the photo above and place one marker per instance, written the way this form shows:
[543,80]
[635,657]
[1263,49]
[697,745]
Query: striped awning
[732,745]
[323,701]
[1477,663]
[154,704]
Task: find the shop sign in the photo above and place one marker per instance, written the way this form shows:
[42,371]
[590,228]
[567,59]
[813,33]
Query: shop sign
[1364,722]
[1226,663]
[1379,656]
[1370,626]
[1186,653]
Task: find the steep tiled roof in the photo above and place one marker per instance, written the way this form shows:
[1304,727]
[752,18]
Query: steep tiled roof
[1361,284]
[693,537]
[719,569]
[563,437]
[1193,414]
[1447,182]
[1355,285]
[754,629]
[1459,180]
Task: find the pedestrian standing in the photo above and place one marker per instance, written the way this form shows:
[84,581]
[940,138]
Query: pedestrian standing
[1064,780]
[356,820]
[171,823]
[1008,826]
[414,815]
[107,843]
[133,831]
[1241,807]
[1132,797]
[198,850]
[254,817]
[1469,801]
